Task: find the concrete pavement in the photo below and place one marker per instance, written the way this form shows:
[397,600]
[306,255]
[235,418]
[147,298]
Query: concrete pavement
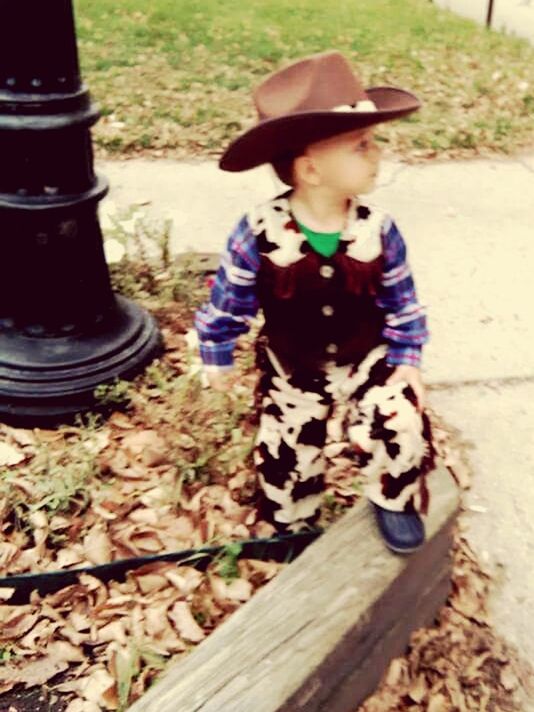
[512,16]
[469,230]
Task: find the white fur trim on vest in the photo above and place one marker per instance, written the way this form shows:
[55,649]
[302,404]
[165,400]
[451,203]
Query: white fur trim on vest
[363,236]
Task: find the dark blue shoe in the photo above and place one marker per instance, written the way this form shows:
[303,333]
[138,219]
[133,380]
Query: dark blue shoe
[403,532]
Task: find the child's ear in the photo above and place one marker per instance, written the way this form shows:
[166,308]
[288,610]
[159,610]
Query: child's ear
[306,171]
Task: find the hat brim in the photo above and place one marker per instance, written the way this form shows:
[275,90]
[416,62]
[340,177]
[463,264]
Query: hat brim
[274,138]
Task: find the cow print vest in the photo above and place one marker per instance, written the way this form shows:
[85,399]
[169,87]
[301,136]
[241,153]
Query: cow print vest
[318,309]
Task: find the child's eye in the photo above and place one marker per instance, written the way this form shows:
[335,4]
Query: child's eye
[363,146]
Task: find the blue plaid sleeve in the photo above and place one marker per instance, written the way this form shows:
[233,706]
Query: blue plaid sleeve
[405,330]
[233,301]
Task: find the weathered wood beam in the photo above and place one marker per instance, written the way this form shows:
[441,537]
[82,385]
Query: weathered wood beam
[321,634]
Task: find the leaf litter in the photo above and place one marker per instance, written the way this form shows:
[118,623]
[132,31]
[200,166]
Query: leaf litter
[460,664]
[171,469]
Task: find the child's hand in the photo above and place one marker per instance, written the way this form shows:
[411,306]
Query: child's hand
[220,381]
[412,376]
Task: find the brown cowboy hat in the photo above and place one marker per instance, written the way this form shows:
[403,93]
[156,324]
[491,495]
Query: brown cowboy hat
[312,99]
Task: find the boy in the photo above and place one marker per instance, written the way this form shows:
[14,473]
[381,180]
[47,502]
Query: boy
[340,349]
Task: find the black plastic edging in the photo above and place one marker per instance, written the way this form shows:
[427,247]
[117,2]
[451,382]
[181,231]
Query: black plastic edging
[285,547]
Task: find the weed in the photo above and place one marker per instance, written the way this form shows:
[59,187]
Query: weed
[57,480]
[226,564]
[200,617]
[114,394]
[146,269]
[159,378]
[6,655]
[333,507]
[128,662]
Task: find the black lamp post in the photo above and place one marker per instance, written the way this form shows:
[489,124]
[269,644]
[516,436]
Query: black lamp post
[62,329]
[489,14]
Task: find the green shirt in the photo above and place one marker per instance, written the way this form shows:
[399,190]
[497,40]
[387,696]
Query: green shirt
[325,243]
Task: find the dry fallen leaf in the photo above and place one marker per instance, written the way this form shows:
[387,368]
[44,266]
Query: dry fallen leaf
[238,590]
[94,686]
[72,556]
[120,420]
[113,631]
[9,455]
[438,703]
[156,621]
[151,582]
[185,624]
[83,706]
[146,541]
[35,672]
[186,579]
[8,552]
[147,445]
[21,436]
[397,671]
[508,678]
[418,689]
[16,626]
[63,651]
[97,546]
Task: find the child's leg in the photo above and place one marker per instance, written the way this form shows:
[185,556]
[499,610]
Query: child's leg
[289,449]
[390,440]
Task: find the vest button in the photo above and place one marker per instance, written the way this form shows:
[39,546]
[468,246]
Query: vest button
[326,271]
[327,310]
[331,349]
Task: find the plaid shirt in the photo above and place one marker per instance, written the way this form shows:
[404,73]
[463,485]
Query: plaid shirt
[234,302]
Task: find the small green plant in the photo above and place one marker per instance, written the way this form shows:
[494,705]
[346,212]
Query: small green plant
[128,664]
[200,617]
[159,376]
[58,481]
[332,507]
[115,394]
[227,562]
[6,655]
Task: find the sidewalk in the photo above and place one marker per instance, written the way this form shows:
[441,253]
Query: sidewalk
[469,229]
[511,16]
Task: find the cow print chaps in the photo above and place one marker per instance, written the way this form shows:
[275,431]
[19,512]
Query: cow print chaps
[305,418]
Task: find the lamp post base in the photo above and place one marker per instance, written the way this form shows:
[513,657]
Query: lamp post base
[47,381]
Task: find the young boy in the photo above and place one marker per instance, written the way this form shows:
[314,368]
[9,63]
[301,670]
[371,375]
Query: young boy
[340,349]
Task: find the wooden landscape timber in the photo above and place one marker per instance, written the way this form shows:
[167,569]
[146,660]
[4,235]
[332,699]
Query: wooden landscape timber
[320,635]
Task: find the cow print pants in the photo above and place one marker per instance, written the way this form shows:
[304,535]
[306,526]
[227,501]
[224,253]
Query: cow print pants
[306,417]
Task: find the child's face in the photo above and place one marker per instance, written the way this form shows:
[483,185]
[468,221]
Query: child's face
[347,164]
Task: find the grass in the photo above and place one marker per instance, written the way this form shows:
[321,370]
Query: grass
[173,76]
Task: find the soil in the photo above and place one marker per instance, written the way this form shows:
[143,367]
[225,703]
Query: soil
[36,699]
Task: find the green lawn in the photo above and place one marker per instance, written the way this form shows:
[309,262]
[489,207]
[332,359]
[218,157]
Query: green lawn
[173,76]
